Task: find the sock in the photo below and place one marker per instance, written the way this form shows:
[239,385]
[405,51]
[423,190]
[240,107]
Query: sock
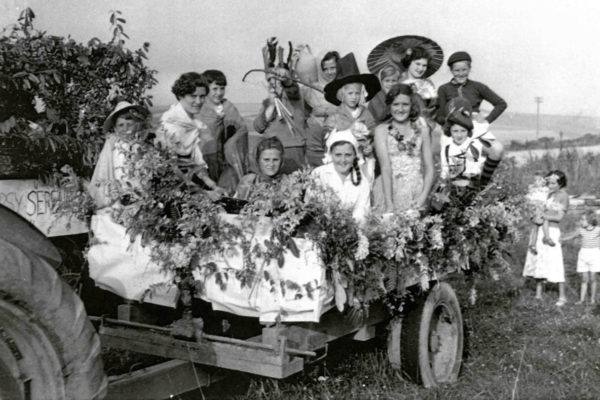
[488,170]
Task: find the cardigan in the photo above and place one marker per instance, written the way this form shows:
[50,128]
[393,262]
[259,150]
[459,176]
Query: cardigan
[473,91]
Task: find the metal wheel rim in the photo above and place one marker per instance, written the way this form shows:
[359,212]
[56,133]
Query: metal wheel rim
[28,356]
[443,342]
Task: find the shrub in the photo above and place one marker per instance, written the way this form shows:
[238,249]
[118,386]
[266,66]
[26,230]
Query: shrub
[55,93]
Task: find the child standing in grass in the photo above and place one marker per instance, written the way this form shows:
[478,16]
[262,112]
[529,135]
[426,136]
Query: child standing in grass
[588,259]
[547,264]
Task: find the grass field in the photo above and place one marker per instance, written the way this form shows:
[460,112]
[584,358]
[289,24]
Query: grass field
[516,347]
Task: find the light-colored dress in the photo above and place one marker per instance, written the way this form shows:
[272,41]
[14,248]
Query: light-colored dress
[353,197]
[406,164]
[548,262]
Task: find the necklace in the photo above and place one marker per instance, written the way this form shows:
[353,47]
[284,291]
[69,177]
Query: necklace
[404,142]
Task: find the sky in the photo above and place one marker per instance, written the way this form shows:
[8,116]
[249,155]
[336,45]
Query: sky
[520,48]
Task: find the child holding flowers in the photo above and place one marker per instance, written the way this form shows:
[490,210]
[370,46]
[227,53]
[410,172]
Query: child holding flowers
[547,264]
[588,259]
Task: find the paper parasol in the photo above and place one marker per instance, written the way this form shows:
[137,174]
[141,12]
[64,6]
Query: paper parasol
[391,51]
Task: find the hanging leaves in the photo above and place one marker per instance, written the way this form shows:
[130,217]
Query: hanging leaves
[66,77]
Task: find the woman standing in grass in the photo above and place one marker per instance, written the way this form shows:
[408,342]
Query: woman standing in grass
[588,259]
[547,264]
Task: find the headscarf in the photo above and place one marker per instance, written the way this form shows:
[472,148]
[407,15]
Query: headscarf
[342,136]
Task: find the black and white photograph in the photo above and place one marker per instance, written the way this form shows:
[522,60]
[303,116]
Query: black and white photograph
[302,199]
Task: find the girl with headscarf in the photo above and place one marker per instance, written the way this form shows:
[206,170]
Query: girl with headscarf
[342,173]
[269,160]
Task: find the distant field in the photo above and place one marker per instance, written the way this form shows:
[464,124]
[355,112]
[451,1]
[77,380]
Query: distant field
[510,126]
[522,156]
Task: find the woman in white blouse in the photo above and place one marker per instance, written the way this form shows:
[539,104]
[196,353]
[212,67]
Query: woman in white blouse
[342,173]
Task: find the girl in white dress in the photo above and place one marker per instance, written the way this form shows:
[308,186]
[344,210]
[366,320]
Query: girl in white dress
[342,173]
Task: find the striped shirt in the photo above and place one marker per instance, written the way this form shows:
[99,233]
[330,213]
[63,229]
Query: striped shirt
[590,238]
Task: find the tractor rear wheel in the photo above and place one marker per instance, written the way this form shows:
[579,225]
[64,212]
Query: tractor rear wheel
[48,347]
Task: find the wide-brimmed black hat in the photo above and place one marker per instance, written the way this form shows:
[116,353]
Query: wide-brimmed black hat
[391,52]
[347,72]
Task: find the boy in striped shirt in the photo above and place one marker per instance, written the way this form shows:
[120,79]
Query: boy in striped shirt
[588,259]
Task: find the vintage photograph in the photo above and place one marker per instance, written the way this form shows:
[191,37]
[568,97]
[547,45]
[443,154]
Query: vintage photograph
[319,200]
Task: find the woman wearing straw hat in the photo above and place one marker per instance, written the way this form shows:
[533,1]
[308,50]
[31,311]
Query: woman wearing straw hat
[341,172]
[120,126]
[471,94]
[346,91]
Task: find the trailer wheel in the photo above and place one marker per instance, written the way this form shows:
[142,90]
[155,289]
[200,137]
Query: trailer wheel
[432,338]
[48,347]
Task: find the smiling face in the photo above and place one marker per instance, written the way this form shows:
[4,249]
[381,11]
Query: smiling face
[269,162]
[389,81]
[342,155]
[216,93]
[460,71]
[459,134]
[350,94]
[417,68]
[192,103]
[124,125]
[329,70]
[400,108]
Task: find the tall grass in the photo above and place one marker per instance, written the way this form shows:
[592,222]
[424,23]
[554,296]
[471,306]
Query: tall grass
[553,351]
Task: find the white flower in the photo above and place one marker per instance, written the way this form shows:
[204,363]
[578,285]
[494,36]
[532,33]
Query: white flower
[360,130]
[39,104]
[362,250]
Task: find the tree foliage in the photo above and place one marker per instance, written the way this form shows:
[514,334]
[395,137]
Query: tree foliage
[56,92]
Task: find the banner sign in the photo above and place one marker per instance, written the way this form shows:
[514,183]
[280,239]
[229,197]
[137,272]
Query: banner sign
[35,201]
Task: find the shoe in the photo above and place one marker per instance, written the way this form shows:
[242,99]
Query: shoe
[548,241]
[561,302]
[532,249]
[578,302]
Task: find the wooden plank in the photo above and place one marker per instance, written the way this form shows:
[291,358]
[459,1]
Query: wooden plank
[223,355]
[161,381]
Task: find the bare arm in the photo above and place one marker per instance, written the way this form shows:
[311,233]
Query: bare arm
[569,236]
[427,166]
[381,151]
